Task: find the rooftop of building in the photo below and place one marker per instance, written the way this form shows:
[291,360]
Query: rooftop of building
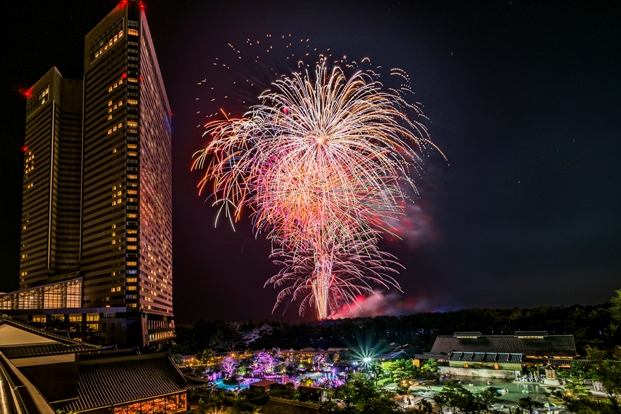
[105,381]
[21,340]
[536,343]
[284,406]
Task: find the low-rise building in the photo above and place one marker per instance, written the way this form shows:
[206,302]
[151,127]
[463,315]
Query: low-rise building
[472,353]
[46,371]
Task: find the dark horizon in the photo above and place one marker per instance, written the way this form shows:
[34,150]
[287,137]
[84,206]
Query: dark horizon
[522,97]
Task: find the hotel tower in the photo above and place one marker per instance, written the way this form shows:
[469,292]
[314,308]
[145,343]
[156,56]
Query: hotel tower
[96,246]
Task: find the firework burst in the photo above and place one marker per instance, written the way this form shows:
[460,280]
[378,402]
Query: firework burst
[321,162]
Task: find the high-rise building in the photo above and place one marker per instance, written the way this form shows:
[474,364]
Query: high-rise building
[51,190]
[98,153]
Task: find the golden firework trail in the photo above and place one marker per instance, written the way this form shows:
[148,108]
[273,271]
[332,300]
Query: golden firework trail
[323,163]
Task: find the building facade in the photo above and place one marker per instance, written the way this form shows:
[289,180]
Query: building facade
[501,356]
[43,373]
[98,151]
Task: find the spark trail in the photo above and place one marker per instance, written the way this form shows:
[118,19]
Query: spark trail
[321,162]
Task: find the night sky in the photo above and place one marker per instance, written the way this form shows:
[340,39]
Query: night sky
[524,98]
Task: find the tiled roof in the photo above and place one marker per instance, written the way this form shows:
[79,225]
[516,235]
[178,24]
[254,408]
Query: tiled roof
[113,381]
[5,319]
[25,351]
[108,353]
[263,383]
[486,357]
[553,345]
[284,406]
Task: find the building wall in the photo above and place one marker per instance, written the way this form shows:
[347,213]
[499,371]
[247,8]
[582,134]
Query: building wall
[155,262]
[482,372]
[127,216]
[487,365]
[104,213]
[51,192]
[98,181]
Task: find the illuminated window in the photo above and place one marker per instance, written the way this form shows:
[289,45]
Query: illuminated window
[132,146]
[132,102]
[132,247]
[132,231]
[132,192]
[93,327]
[120,125]
[132,176]
[109,117]
[131,263]
[92,317]
[109,103]
[132,32]
[109,131]
[75,318]
[132,288]
[133,80]
[120,103]
[132,280]
[110,89]
[132,124]
[132,153]
[39,318]
[132,215]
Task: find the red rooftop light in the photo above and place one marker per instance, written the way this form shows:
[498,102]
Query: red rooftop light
[24,148]
[124,75]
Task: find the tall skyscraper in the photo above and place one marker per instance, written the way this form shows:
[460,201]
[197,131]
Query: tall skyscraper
[51,191]
[98,152]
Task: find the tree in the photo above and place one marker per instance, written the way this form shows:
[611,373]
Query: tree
[456,396]
[431,365]
[204,357]
[615,309]
[228,366]
[360,395]
[528,404]
[250,336]
[605,367]
[400,370]
[263,364]
[422,407]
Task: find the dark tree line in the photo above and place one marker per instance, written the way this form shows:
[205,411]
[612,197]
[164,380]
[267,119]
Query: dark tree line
[590,325]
